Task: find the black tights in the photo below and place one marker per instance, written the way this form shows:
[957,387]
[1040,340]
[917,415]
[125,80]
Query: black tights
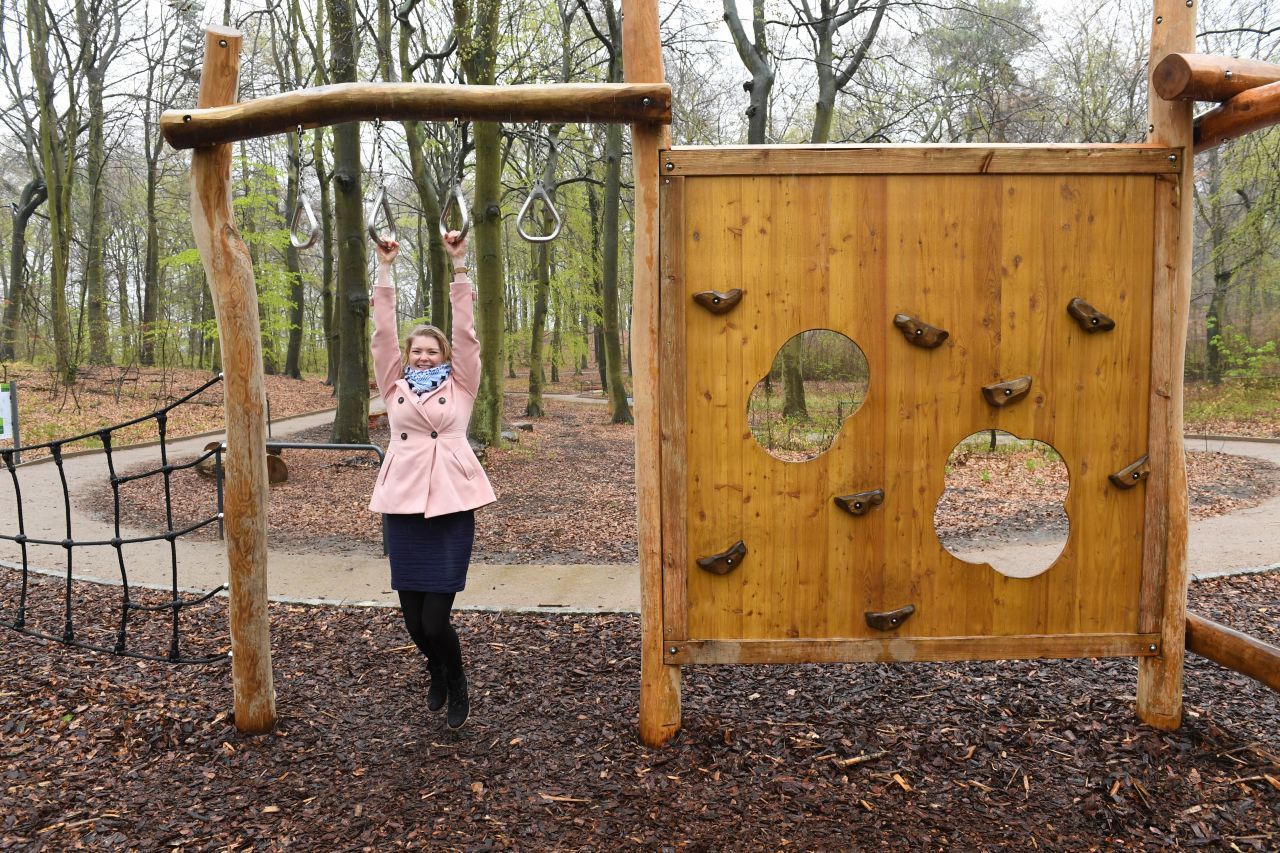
[426,615]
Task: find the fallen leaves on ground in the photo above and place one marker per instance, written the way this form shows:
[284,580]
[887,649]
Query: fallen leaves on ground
[104,396]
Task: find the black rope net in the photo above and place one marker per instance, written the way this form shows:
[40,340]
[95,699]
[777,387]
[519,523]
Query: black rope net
[172,600]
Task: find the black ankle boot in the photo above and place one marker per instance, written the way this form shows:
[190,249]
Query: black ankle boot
[459,707]
[438,690]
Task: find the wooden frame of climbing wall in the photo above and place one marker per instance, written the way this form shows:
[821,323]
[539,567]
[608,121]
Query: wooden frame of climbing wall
[992,244]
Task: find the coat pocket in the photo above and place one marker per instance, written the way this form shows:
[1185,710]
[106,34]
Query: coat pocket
[386,468]
[468,467]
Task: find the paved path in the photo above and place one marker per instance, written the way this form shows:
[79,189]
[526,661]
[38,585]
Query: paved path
[1241,541]
[1238,542]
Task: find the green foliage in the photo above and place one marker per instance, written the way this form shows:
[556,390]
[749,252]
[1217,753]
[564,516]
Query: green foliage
[1243,360]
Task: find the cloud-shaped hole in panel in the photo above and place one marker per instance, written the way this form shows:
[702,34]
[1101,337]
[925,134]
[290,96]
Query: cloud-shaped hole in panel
[817,380]
[1004,503]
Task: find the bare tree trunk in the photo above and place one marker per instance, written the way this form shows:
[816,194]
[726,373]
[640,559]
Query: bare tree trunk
[328,296]
[58,159]
[293,266]
[95,287]
[33,195]
[476,26]
[351,421]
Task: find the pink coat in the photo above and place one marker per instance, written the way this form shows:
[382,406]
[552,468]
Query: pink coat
[429,467]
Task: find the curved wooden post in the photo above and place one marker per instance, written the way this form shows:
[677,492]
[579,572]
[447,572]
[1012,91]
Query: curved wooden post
[1163,606]
[659,682]
[235,300]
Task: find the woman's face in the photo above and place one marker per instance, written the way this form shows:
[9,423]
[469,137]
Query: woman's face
[424,352]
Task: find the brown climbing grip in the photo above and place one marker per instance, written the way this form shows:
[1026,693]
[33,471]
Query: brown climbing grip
[717,302]
[1090,318]
[1004,393]
[919,333]
[860,502]
[1128,477]
[725,561]
[888,620]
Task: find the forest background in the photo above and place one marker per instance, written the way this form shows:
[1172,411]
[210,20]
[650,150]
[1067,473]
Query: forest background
[98,266]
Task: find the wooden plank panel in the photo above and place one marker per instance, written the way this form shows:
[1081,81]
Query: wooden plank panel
[671,410]
[994,260]
[918,159]
[713,261]
[857,309]
[919,649]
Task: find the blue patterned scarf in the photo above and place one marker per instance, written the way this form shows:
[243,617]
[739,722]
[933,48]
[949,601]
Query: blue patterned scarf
[427,379]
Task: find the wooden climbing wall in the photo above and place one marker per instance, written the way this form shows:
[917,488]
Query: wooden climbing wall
[990,244]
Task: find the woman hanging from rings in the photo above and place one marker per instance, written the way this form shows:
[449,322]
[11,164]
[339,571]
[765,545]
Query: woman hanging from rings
[430,481]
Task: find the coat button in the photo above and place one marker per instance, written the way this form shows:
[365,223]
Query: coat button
[404,436]
[401,400]
[442,401]
[433,433]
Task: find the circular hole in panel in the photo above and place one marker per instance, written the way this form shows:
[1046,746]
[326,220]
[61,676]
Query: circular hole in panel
[817,380]
[1004,503]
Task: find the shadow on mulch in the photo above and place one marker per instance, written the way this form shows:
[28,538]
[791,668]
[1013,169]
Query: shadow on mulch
[103,751]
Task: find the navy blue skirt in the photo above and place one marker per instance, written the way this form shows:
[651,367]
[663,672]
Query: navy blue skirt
[430,554]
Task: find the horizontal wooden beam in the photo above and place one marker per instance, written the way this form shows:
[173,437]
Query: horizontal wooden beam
[912,649]
[1205,77]
[920,159]
[1255,109]
[321,106]
[1234,650]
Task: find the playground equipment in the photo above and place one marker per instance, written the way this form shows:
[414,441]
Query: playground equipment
[1042,290]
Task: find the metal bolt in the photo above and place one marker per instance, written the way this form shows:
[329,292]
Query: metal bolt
[646,102]
[1173,158]
[1159,20]
[1227,74]
[1151,648]
[857,504]
[670,166]
[222,42]
[673,649]
[1151,128]
[1008,391]
[1190,3]
[1137,475]
[186,119]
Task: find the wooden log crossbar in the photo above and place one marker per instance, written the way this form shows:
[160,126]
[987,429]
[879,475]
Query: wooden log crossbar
[321,106]
[1234,650]
[1248,91]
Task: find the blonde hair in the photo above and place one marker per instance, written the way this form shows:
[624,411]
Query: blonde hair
[426,331]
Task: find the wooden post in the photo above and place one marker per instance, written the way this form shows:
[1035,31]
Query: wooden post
[235,300]
[1164,593]
[659,682]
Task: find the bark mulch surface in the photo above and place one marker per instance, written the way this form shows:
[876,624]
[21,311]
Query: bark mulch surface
[566,494]
[107,752]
